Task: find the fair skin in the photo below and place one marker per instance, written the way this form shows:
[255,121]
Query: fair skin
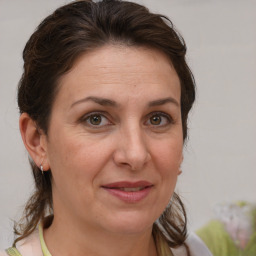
[116,119]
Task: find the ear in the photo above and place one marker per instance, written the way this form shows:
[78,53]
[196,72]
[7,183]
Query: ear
[181,159]
[34,140]
[180,171]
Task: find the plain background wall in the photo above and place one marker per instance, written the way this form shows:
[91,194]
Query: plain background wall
[220,157]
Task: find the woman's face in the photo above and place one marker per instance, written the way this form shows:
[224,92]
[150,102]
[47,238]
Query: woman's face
[114,143]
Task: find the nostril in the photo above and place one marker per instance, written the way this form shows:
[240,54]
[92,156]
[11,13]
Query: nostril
[133,162]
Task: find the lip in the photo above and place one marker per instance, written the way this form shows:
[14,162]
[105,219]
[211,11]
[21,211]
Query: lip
[137,191]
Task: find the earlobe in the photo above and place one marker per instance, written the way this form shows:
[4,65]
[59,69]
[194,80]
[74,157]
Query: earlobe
[33,139]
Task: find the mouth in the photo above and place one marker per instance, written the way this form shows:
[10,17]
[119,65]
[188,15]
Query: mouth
[131,189]
[130,192]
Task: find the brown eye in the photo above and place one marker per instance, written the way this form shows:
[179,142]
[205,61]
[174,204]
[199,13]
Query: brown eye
[155,120]
[95,119]
[159,119]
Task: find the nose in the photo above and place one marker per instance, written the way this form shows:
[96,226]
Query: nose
[132,150]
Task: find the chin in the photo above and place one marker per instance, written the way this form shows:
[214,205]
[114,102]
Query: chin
[130,223]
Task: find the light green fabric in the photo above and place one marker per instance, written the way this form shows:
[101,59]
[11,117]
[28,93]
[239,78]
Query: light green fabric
[220,243]
[12,251]
[43,245]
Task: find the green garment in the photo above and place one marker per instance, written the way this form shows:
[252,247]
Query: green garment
[12,251]
[220,243]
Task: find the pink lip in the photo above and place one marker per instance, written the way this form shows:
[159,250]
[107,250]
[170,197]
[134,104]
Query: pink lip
[129,196]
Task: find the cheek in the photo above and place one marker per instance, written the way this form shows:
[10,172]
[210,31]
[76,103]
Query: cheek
[168,159]
[79,159]
[168,155]
[73,170]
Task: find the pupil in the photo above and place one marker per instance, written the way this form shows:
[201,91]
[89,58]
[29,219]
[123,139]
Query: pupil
[156,120]
[96,120]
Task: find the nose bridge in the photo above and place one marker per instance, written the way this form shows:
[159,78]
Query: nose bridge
[135,139]
[133,146]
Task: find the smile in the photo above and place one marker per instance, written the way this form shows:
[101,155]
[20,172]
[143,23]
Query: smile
[129,192]
[131,189]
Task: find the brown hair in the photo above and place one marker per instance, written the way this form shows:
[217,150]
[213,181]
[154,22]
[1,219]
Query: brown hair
[76,28]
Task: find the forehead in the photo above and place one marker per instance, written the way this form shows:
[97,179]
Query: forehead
[129,70]
[122,57]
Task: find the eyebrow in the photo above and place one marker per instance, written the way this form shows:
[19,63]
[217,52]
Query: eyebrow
[163,101]
[100,101]
[111,103]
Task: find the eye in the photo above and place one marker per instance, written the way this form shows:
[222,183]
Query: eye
[155,120]
[96,120]
[159,119]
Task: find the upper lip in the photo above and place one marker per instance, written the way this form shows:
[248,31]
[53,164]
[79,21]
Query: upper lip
[128,184]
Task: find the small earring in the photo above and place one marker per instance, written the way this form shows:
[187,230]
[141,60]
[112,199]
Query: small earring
[42,169]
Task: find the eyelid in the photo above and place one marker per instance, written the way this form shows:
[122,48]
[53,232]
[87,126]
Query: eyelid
[85,117]
[105,114]
[160,113]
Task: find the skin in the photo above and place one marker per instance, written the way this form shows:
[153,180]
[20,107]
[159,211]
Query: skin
[131,141]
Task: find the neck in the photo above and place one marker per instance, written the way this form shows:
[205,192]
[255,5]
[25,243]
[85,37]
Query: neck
[72,238]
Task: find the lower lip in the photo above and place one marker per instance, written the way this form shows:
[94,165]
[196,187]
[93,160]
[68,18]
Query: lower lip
[129,196]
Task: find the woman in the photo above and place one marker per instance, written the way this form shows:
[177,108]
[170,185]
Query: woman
[104,100]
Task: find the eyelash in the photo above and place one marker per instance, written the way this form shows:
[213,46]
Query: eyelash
[86,119]
[168,118]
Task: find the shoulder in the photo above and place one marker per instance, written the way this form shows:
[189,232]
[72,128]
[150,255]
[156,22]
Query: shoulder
[29,246]
[196,247]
